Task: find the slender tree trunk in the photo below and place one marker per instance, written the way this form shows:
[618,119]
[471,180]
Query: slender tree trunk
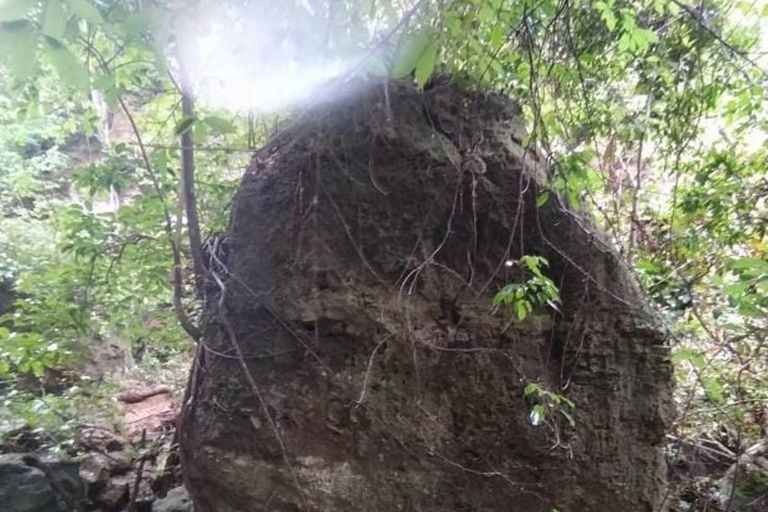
[188,183]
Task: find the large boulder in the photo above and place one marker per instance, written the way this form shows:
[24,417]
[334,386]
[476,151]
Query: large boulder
[47,485]
[365,246]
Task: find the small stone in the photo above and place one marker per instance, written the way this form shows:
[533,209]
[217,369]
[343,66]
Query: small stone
[177,500]
[115,494]
[101,440]
[94,469]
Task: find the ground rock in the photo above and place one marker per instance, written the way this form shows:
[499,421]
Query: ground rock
[139,393]
[24,488]
[177,500]
[101,440]
[97,468]
[365,247]
[115,493]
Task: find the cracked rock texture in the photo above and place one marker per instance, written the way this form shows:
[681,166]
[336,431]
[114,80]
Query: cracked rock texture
[365,246]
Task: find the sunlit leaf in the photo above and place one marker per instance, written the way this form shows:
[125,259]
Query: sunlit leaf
[219,124]
[713,389]
[19,44]
[69,68]
[538,413]
[426,64]
[531,388]
[12,10]
[643,38]
[751,266]
[686,354]
[139,24]
[85,10]
[185,125]
[54,19]
[409,54]
[200,132]
[104,82]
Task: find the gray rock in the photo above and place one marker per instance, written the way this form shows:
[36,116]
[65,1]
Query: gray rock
[101,440]
[96,468]
[24,488]
[177,500]
[115,493]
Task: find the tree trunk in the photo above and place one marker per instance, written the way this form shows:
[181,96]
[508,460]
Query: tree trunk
[364,256]
[188,184]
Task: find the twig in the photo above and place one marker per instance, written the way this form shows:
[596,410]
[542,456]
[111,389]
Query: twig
[370,365]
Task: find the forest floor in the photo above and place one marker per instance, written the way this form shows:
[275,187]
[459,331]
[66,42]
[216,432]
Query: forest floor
[118,419]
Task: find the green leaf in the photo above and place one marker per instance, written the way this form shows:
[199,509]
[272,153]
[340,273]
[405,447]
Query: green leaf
[13,10]
[200,132]
[610,20]
[542,199]
[138,24]
[497,35]
[18,41]
[531,388]
[453,23]
[714,389]
[487,13]
[643,38]
[85,10]
[104,82]
[69,67]
[687,354]
[628,20]
[426,64]
[409,54]
[626,42]
[538,414]
[33,110]
[750,266]
[54,20]
[521,309]
[37,368]
[185,125]
[219,124]
[607,15]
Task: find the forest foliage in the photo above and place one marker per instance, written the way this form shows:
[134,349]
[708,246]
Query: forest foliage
[650,114]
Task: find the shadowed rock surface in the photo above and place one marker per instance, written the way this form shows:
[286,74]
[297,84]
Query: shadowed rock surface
[365,246]
[25,488]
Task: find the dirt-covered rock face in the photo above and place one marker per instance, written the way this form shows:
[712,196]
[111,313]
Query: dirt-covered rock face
[365,247]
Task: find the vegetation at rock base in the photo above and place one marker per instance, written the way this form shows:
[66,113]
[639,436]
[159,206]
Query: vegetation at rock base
[125,128]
